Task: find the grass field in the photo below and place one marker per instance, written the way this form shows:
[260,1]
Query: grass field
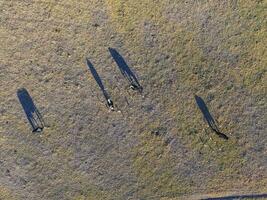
[178,49]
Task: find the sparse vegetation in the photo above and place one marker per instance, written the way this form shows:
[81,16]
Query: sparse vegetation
[159,147]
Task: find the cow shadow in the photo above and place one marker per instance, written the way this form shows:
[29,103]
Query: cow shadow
[100,83]
[97,79]
[211,122]
[32,113]
[125,70]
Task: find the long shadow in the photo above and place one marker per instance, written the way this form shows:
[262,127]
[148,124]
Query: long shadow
[32,113]
[211,122]
[125,69]
[97,78]
[250,196]
[100,84]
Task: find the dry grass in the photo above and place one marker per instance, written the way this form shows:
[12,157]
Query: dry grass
[215,49]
